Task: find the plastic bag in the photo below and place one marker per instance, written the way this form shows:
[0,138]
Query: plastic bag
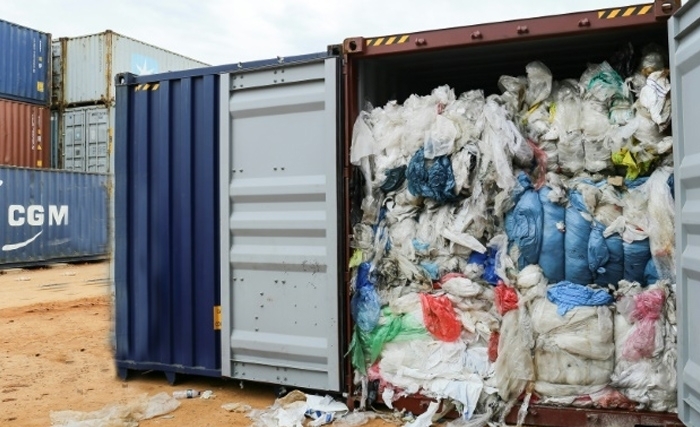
[363,144]
[597,152]
[637,254]
[653,59]
[125,415]
[571,155]
[539,83]
[578,231]
[440,140]
[648,306]
[365,302]
[514,369]
[567,296]
[435,182]
[661,210]
[524,223]
[655,97]
[603,83]
[506,299]
[439,317]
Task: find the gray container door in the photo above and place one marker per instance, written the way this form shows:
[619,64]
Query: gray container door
[685,71]
[279,223]
[98,123]
[74,140]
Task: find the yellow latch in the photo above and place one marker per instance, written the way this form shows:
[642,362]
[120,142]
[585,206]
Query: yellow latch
[217,317]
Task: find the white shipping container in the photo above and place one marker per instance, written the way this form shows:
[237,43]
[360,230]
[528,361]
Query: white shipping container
[84,67]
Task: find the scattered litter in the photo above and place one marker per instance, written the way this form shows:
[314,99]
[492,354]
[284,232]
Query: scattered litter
[186,394]
[292,409]
[207,394]
[236,407]
[127,415]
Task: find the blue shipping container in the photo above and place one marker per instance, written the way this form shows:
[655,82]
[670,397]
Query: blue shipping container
[25,67]
[51,215]
[166,257]
[166,225]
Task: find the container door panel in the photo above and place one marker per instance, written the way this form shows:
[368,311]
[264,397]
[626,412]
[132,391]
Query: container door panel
[685,69]
[279,205]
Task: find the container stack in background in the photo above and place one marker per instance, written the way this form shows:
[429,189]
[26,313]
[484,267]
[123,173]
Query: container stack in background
[56,129]
[25,76]
[83,97]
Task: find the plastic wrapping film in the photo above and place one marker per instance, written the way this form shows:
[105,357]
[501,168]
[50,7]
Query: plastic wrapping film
[519,246]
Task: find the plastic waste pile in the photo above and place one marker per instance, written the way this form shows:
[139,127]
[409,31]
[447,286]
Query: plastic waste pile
[518,246]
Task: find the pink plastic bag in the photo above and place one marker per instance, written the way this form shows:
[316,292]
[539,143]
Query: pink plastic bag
[647,310]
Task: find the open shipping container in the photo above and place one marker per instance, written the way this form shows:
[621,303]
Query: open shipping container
[258,175]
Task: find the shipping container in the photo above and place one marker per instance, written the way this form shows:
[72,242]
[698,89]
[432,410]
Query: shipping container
[50,216]
[56,140]
[25,134]
[166,220]
[25,64]
[84,67]
[287,195]
[86,135]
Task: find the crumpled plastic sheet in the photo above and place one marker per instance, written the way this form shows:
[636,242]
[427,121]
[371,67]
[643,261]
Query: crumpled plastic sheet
[291,411]
[551,257]
[436,182]
[662,237]
[126,415]
[574,353]
[650,381]
[365,304]
[567,296]
[437,369]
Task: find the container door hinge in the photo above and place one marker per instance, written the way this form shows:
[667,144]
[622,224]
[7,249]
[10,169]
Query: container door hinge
[217,317]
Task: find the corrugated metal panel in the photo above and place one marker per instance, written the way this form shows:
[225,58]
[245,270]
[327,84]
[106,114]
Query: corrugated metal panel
[25,134]
[91,62]
[50,215]
[86,133]
[25,64]
[279,277]
[56,139]
[685,66]
[166,212]
[57,72]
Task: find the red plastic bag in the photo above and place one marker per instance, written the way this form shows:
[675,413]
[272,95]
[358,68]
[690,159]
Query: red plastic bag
[493,346]
[506,298]
[540,172]
[440,318]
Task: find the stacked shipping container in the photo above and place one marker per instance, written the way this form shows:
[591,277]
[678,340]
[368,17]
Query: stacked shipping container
[83,92]
[25,73]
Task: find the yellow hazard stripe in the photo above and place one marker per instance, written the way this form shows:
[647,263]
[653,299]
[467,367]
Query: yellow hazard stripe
[387,41]
[624,12]
[147,86]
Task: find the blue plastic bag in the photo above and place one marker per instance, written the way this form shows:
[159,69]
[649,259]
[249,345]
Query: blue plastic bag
[567,295]
[365,305]
[611,272]
[651,275]
[488,261]
[578,232]
[524,222]
[435,182]
[552,253]
[637,255]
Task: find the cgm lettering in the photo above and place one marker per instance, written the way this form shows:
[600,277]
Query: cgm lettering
[18,215]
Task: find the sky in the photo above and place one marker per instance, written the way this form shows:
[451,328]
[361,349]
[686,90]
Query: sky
[225,31]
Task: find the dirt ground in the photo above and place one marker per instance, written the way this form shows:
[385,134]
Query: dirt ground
[55,355]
